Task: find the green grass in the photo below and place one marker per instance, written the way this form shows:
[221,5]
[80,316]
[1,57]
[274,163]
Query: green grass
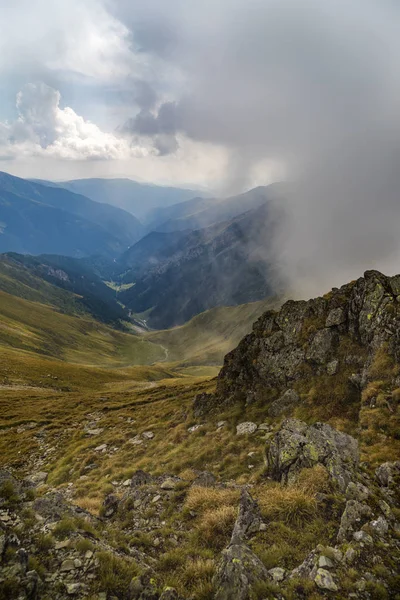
[42,329]
[208,337]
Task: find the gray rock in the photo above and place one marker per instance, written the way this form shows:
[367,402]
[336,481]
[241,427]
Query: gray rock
[135,441]
[298,445]
[110,505]
[246,428]
[101,448]
[72,588]
[335,317]
[387,472]
[325,562]
[194,428]
[67,565]
[287,401]
[357,491]
[351,555]
[140,478]
[321,346]
[37,478]
[248,520]
[324,581]
[169,484]
[363,537]
[354,515]
[332,367]
[380,526]
[238,573]
[148,435]
[277,574]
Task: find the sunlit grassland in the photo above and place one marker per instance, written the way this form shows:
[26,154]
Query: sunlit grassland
[208,337]
[45,330]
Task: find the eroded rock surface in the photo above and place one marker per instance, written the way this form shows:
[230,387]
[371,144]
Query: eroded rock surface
[298,445]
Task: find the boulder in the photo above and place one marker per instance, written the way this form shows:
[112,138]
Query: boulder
[321,346]
[246,428]
[387,473]
[238,574]
[298,445]
[110,505]
[324,581]
[170,483]
[287,401]
[140,478]
[248,520]
[354,516]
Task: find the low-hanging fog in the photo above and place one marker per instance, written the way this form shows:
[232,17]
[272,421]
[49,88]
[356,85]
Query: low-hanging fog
[306,90]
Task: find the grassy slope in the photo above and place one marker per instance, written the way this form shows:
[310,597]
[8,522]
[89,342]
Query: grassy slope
[205,339]
[39,328]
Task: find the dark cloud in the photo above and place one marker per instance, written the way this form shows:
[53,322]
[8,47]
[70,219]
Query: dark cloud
[312,86]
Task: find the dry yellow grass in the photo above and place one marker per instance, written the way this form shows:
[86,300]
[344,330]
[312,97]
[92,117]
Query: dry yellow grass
[206,498]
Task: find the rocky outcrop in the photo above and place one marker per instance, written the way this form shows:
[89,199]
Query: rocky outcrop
[297,445]
[238,573]
[249,519]
[310,334]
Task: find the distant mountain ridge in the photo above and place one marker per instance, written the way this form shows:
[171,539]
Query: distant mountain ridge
[38,219]
[137,198]
[199,213]
[190,272]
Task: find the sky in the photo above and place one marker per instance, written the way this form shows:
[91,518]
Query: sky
[222,95]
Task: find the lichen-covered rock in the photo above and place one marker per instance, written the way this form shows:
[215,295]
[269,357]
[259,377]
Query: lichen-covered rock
[143,587]
[298,445]
[246,428]
[238,574]
[325,581]
[249,519]
[387,473]
[354,516]
[363,313]
[287,401]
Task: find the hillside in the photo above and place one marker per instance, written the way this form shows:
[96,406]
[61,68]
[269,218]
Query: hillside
[225,264]
[42,329]
[207,337]
[37,219]
[199,213]
[278,480]
[38,279]
[137,198]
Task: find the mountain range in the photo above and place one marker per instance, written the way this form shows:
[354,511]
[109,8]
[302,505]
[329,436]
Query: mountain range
[198,254]
[38,219]
[137,198]
[178,275]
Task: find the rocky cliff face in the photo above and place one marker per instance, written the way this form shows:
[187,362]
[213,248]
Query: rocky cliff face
[322,337]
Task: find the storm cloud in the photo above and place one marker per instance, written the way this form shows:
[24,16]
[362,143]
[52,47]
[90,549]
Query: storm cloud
[304,89]
[235,93]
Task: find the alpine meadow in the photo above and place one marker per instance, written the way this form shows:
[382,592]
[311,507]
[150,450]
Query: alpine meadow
[199,300]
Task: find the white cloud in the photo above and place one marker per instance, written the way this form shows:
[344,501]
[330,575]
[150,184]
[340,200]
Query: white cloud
[78,36]
[43,128]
